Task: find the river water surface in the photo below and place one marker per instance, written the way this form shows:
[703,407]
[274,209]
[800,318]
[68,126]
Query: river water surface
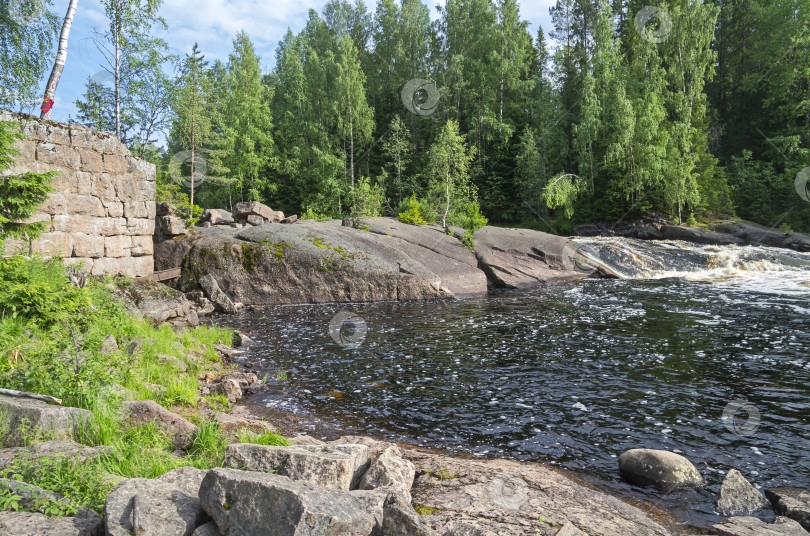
[573,375]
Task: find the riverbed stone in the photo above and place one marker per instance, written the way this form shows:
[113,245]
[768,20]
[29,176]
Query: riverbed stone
[229,388]
[34,524]
[244,503]
[523,258]
[752,526]
[145,411]
[220,300]
[738,496]
[389,470]
[51,449]
[663,469]
[160,303]
[17,414]
[243,379]
[570,530]
[186,479]
[474,493]
[337,467]
[163,509]
[791,502]
[209,529]
[699,236]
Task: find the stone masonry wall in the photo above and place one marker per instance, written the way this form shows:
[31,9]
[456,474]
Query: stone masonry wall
[102,210]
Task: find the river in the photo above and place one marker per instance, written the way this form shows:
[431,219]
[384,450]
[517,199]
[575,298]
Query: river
[701,350]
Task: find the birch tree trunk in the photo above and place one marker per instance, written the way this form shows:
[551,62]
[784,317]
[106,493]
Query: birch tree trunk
[59,64]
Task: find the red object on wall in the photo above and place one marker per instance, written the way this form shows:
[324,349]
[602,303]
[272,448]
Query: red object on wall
[47,104]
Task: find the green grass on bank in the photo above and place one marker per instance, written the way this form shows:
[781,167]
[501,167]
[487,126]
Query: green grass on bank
[52,341]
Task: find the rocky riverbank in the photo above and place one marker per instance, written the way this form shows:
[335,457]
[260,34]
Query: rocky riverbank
[721,233]
[351,485]
[271,263]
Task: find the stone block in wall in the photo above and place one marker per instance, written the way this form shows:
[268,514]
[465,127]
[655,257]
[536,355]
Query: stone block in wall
[126,189]
[90,160]
[117,246]
[79,224]
[53,244]
[103,186]
[151,210]
[109,144]
[114,164]
[85,245]
[141,266]
[85,205]
[115,209]
[65,182]
[135,209]
[146,191]
[140,226]
[40,217]
[115,226]
[82,137]
[58,155]
[56,204]
[141,169]
[142,246]
[106,265]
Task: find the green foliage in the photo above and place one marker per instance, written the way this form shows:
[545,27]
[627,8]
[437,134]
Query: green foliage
[20,195]
[38,289]
[562,191]
[82,483]
[28,31]
[9,501]
[170,192]
[310,214]
[367,199]
[413,213]
[267,438]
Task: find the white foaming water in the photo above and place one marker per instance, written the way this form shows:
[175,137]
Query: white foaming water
[740,268]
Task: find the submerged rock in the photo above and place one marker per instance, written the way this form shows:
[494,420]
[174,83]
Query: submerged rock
[738,496]
[663,469]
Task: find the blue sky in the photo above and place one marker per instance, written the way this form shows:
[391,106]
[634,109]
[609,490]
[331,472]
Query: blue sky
[212,24]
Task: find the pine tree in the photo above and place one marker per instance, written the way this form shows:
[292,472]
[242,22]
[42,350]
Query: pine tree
[20,195]
[247,123]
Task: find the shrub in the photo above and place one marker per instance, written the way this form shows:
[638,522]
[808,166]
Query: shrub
[20,195]
[367,199]
[412,215]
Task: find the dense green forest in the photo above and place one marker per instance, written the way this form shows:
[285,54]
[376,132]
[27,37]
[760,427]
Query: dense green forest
[692,110]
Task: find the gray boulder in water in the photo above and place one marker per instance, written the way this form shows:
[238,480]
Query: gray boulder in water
[738,496]
[663,469]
